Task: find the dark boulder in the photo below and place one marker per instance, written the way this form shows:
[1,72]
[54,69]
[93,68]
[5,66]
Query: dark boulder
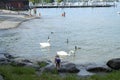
[20,62]
[7,55]
[69,67]
[65,68]
[32,65]
[42,63]
[114,63]
[3,59]
[98,69]
[17,63]
[49,68]
[26,61]
[2,55]
[1,77]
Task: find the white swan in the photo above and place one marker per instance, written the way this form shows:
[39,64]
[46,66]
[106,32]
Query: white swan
[118,12]
[64,53]
[45,44]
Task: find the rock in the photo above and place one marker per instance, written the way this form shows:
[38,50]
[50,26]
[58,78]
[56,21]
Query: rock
[2,55]
[7,55]
[26,61]
[114,63]
[35,66]
[1,77]
[43,63]
[65,68]
[17,63]
[3,59]
[97,68]
[50,68]
[69,67]
[20,62]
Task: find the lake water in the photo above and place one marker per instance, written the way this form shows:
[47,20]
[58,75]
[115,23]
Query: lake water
[95,30]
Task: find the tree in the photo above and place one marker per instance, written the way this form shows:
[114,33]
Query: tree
[59,1]
[35,1]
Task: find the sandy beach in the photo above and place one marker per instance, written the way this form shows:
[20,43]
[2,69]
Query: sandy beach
[12,19]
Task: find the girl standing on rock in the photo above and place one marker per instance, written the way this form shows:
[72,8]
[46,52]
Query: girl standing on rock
[57,62]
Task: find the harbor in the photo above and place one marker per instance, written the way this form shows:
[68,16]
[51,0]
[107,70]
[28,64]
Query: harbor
[74,4]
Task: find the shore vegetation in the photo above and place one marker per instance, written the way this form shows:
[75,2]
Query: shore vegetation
[26,73]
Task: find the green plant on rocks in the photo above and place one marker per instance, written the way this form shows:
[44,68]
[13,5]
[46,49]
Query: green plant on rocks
[42,64]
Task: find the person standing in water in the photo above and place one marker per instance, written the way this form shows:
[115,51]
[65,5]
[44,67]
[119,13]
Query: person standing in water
[57,62]
[63,14]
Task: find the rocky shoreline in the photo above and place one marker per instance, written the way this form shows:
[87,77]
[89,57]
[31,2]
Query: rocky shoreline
[66,67]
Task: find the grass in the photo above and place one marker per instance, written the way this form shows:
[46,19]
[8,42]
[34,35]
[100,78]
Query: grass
[26,73]
[17,73]
[115,75]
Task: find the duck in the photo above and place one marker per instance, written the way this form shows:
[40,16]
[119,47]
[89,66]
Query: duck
[45,44]
[67,41]
[64,53]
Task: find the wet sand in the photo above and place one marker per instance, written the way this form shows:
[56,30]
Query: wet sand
[12,19]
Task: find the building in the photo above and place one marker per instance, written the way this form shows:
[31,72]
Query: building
[14,4]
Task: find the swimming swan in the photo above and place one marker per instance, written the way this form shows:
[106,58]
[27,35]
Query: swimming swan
[118,12]
[45,44]
[64,53]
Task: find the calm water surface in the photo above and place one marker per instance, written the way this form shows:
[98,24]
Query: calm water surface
[95,30]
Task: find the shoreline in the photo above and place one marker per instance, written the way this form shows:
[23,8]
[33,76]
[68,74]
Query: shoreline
[12,19]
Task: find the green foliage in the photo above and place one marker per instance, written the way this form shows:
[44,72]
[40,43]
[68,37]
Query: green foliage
[40,1]
[71,77]
[54,71]
[17,73]
[49,76]
[27,73]
[49,1]
[60,1]
[42,64]
[23,70]
[110,76]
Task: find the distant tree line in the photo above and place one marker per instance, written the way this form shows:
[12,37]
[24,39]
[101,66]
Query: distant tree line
[47,1]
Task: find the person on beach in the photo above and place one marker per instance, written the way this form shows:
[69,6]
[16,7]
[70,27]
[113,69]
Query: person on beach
[35,11]
[57,62]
